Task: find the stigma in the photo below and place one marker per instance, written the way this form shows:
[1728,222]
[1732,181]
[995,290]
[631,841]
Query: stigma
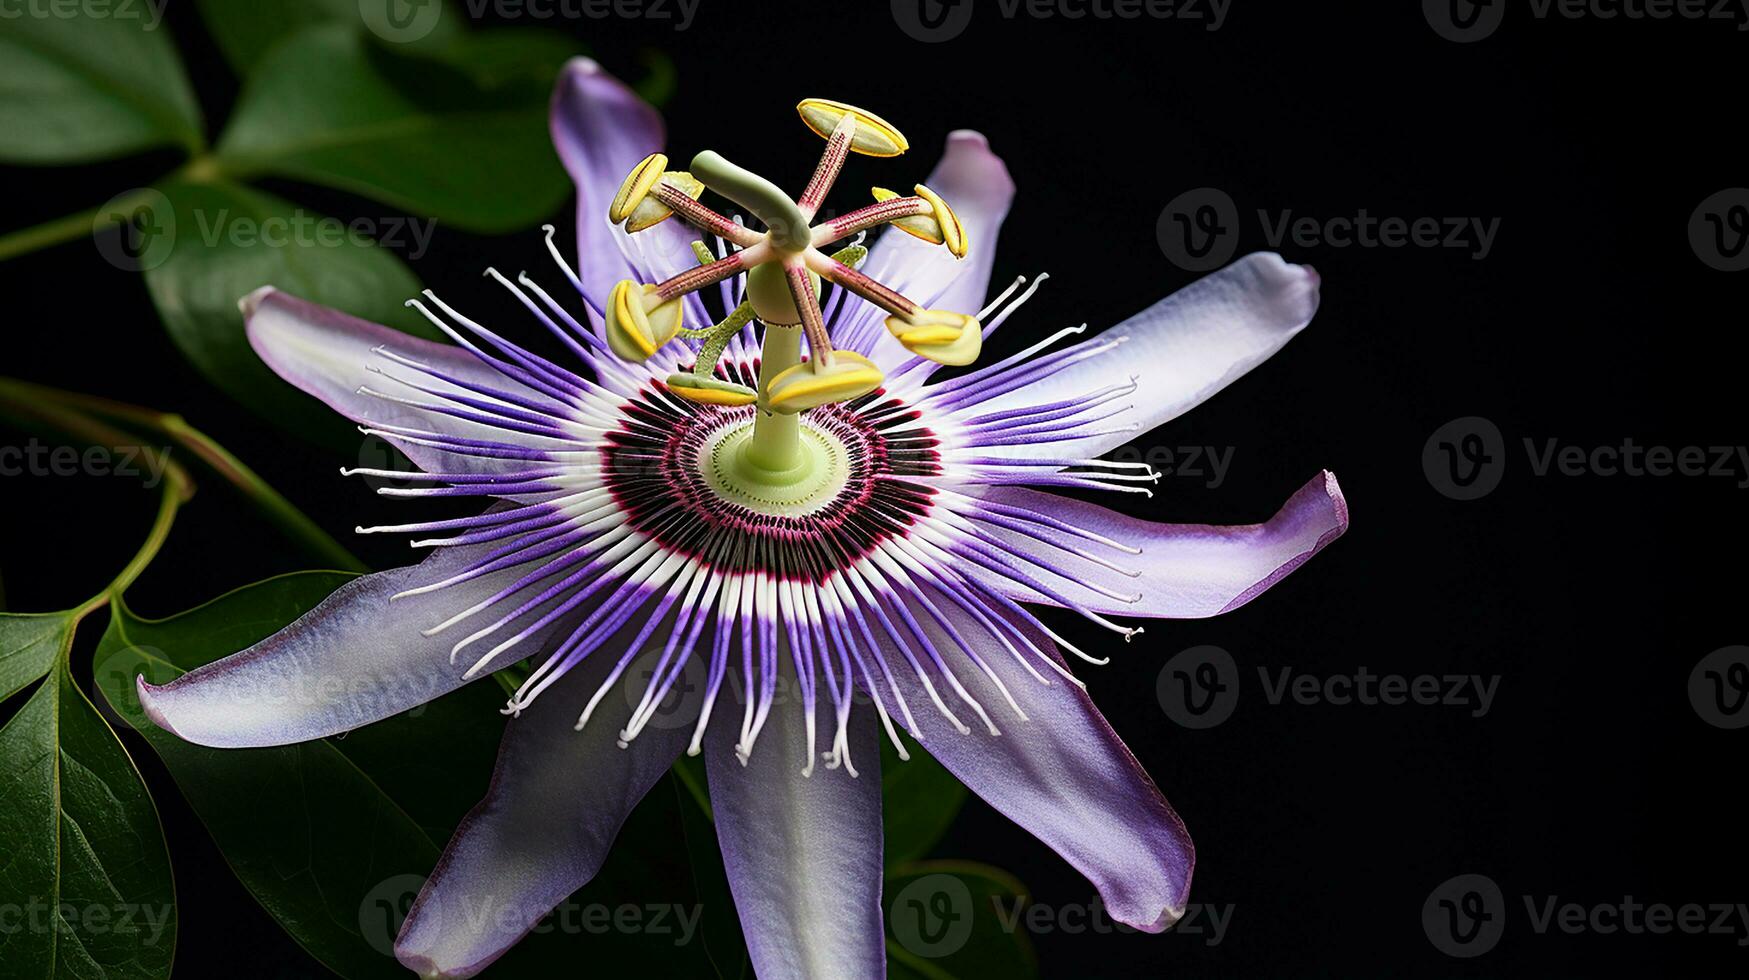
[784,266]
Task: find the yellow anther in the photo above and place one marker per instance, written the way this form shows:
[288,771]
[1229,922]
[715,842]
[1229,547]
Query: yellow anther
[710,391]
[650,211]
[637,185]
[637,326]
[953,234]
[943,337]
[875,137]
[922,226]
[801,387]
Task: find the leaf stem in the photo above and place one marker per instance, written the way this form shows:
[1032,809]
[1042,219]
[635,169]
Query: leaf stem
[63,408]
[200,169]
[60,230]
[176,491]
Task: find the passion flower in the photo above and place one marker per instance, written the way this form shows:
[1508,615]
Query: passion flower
[776,510]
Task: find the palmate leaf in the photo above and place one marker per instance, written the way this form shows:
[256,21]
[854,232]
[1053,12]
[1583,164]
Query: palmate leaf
[29,644]
[76,87]
[246,29]
[450,125]
[312,837]
[334,837]
[218,241]
[425,135]
[85,879]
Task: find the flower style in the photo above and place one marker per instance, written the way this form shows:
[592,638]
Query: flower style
[777,535]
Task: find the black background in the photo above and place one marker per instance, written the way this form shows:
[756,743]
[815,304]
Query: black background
[1323,827]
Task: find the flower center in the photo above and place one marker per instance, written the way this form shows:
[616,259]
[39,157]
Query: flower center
[819,476]
[678,471]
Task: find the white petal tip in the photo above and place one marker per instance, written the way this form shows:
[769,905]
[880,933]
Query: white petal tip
[150,705]
[252,302]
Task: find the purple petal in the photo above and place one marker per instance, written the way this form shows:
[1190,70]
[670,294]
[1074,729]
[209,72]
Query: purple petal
[1063,775]
[602,129]
[331,355]
[1187,571]
[975,183]
[557,801]
[354,659]
[803,854]
[1180,351]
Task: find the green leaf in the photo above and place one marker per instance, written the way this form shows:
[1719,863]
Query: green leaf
[724,942]
[312,837]
[246,29]
[920,800]
[956,919]
[422,134]
[29,644]
[433,761]
[334,837]
[221,241]
[77,87]
[86,871]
